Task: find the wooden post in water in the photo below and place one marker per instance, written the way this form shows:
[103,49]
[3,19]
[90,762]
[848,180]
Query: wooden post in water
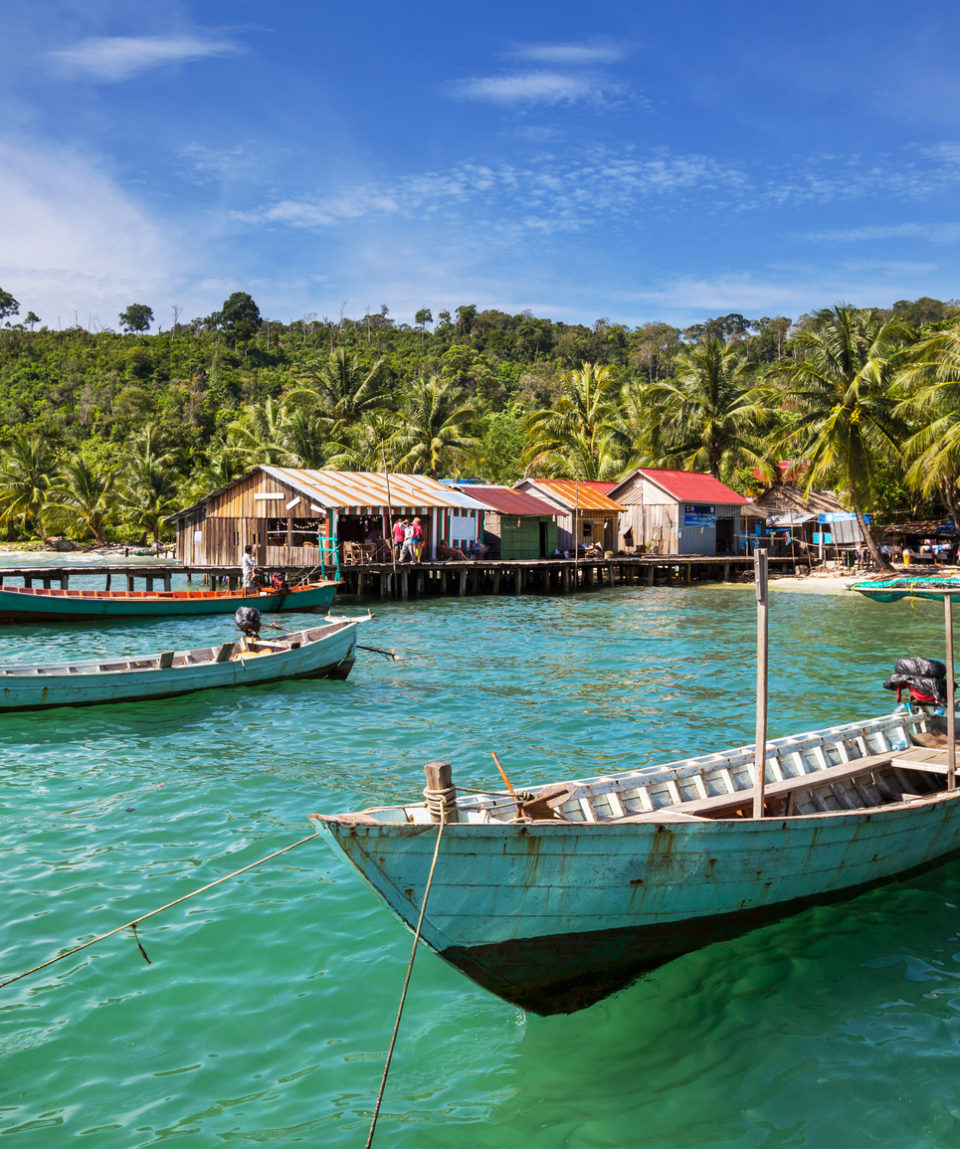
[951,710]
[760,746]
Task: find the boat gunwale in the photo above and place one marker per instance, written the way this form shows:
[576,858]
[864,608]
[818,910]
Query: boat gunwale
[363,820]
[78,594]
[501,801]
[149,663]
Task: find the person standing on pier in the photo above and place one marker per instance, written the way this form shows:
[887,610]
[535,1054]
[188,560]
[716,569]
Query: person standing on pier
[398,532]
[247,567]
[418,539]
[408,552]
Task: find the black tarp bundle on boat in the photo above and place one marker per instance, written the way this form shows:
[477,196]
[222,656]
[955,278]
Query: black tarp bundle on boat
[247,619]
[925,678]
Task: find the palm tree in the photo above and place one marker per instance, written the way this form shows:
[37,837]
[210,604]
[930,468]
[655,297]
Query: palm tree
[583,435]
[25,466]
[370,445]
[435,431]
[258,435]
[279,434]
[218,467]
[929,390]
[79,499]
[341,391]
[708,417]
[840,414]
[149,486]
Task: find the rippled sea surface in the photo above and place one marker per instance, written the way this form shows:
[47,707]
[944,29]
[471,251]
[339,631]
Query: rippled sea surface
[265,1013]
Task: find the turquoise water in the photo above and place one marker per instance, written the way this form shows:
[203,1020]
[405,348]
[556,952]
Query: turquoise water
[265,1014]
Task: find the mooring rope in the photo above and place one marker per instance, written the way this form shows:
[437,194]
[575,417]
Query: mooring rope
[406,980]
[132,925]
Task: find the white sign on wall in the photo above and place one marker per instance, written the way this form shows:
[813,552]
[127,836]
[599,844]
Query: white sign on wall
[463,529]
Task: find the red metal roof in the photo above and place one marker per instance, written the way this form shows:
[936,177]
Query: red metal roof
[507,501]
[689,487]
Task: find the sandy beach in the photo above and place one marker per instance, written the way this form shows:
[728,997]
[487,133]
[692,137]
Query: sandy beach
[815,584]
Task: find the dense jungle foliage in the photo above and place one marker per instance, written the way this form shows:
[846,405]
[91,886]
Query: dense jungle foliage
[103,434]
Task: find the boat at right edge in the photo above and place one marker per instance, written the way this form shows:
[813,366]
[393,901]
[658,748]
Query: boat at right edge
[559,898]
[555,897]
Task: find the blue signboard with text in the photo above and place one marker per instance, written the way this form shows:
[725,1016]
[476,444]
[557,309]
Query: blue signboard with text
[699,515]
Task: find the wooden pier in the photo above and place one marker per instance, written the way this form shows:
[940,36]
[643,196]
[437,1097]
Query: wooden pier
[433,579]
[543,576]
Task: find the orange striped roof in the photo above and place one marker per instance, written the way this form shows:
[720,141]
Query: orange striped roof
[577,495]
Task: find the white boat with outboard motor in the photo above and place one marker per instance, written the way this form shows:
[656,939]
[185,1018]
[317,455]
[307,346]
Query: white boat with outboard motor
[326,651]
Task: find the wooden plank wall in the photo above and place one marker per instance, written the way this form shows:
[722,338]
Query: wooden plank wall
[240,502]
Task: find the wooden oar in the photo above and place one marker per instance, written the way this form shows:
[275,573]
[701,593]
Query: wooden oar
[392,654]
[503,775]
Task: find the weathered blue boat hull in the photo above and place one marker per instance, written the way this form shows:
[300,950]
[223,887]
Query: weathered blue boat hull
[330,654]
[553,917]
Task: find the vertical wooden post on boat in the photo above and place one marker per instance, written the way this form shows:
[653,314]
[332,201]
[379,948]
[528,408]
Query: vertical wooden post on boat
[440,792]
[951,706]
[760,745]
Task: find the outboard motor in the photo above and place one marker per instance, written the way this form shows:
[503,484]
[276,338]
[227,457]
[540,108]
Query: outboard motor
[247,619]
[924,678]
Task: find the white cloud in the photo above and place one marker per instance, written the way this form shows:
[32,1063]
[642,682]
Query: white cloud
[110,59]
[589,52]
[548,196]
[230,164]
[929,232]
[535,87]
[75,246]
[567,73]
[787,290]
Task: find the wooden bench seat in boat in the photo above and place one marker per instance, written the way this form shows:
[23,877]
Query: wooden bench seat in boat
[918,758]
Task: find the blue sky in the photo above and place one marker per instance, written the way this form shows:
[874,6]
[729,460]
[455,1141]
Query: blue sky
[622,159]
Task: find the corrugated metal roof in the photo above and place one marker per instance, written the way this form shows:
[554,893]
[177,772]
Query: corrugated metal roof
[507,501]
[341,489]
[576,494]
[691,487]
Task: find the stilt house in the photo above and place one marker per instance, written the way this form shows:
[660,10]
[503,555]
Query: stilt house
[585,513]
[518,525]
[679,512]
[808,519]
[290,516]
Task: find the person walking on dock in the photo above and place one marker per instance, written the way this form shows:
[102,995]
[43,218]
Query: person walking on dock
[398,535]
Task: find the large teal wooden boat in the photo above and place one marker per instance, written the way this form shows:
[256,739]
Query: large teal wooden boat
[326,651]
[891,588]
[558,896]
[35,604]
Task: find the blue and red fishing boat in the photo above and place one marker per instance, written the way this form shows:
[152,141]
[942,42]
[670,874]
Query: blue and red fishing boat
[36,604]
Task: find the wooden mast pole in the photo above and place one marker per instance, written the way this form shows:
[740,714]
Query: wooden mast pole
[389,532]
[760,745]
[951,708]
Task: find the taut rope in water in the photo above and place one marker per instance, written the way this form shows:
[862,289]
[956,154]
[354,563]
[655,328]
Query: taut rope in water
[132,925]
[406,980]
